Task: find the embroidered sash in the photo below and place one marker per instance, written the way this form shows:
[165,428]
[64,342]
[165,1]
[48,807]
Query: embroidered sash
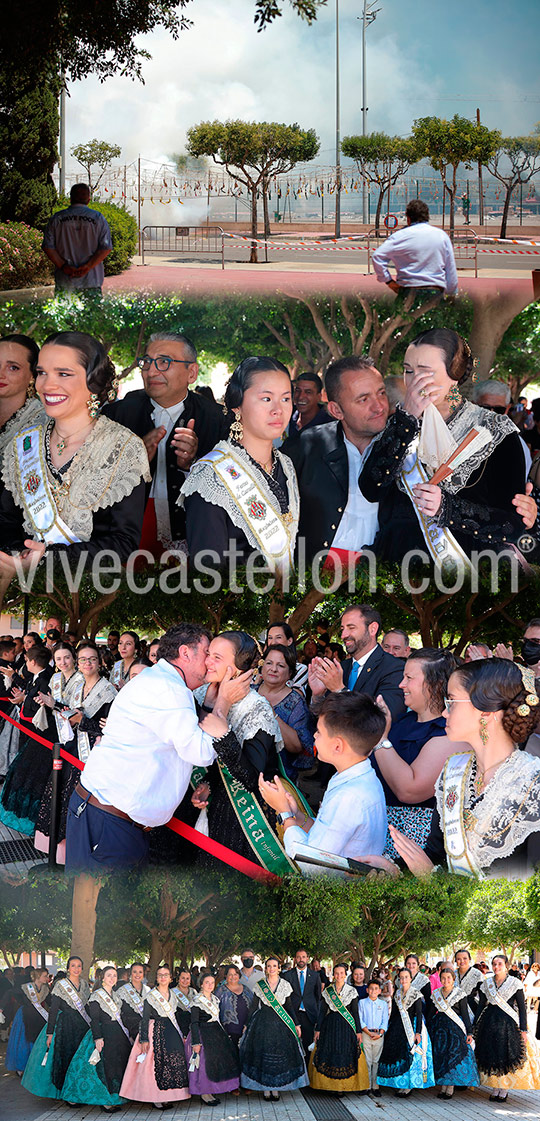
[32,995]
[182,998]
[129,994]
[164,1007]
[71,996]
[272,531]
[443,1004]
[441,544]
[455,780]
[263,990]
[211,1007]
[332,998]
[35,491]
[110,1007]
[498,995]
[117,676]
[419,1049]
[258,833]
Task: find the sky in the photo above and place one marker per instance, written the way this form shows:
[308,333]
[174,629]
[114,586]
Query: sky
[423,58]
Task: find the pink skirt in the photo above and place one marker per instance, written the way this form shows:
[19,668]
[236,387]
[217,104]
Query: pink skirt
[139,1081]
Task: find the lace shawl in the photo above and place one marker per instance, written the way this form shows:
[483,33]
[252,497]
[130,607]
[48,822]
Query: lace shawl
[97,997]
[345,996]
[409,997]
[65,992]
[249,716]
[459,425]
[508,988]
[125,992]
[153,998]
[99,694]
[469,981]
[29,414]
[208,1005]
[105,469]
[453,997]
[203,480]
[507,812]
[282,991]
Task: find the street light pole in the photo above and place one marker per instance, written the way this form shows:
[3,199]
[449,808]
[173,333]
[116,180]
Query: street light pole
[369,15]
[338,137]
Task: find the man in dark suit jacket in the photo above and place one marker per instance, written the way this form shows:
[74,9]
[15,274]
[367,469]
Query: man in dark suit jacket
[368,669]
[328,459]
[177,427]
[306,995]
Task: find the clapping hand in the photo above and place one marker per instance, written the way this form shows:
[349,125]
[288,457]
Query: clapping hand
[276,796]
[381,703]
[413,854]
[30,555]
[185,443]
[526,507]
[329,671]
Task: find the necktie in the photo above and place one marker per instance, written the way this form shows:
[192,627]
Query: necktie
[302,979]
[353,676]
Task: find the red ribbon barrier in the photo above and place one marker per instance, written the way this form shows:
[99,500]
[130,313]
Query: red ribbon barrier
[214,848]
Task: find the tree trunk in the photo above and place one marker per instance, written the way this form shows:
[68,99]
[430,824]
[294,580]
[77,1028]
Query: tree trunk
[506,208]
[253,259]
[382,193]
[156,953]
[493,314]
[86,891]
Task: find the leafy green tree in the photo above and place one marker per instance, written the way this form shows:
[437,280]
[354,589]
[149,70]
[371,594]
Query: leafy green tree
[381,160]
[498,917]
[515,161]
[252,153]
[447,144]
[95,153]
[28,136]
[35,915]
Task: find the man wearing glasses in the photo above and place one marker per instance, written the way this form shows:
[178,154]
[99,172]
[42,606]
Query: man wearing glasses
[177,426]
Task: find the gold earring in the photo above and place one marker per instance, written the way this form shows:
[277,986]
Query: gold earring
[484,736]
[237,429]
[30,391]
[113,391]
[454,397]
[93,406]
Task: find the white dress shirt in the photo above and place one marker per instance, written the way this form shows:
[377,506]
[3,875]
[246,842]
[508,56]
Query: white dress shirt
[373,1013]
[352,817]
[150,745]
[251,981]
[163,418]
[423,257]
[360,520]
[360,662]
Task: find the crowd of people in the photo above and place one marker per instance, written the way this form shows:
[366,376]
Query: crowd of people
[270,1029]
[166,470]
[363,756]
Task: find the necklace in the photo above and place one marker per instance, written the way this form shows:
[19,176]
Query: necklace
[480,775]
[63,441]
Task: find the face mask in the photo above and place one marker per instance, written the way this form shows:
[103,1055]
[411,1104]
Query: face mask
[248,962]
[530,652]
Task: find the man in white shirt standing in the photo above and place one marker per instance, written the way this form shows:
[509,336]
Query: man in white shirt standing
[422,255]
[373,1013]
[250,972]
[353,810]
[138,774]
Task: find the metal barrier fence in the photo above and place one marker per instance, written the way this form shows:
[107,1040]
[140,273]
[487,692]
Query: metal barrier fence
[183,239]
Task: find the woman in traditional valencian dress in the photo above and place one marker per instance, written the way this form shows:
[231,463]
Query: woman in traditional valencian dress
[472,507]
[68,1023]
[28,774]
[271,1056]
[507,1058]
[338,1063]
[74,484]
[257,732]
[217,1069]
[19,405]
[96,1070]
[469,980]
[92,696]
[185,995]
[29,1020]
[487,816]
[129,646]
[406,1061]
[243,495]
[162,1074]
[132,996]
[450,1031]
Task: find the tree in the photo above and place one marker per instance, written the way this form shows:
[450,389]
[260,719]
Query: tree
[35,915]
[28,135]
[514,162]
[497,916]
[447,144]
[381,160]
[253,152]
[95,153]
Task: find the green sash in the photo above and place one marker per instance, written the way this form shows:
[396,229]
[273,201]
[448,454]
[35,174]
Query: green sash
[339,1006]
[276,1006]
[197,776]
[266,846]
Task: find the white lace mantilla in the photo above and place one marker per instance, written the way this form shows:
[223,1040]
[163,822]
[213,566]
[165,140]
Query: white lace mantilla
[346,995]
[100,997]
[461,422]
[409,997]
[99,695]
[469,981]
[106,469]
[210,1005]
[168,1008]
[281,993]
[249,716]
[128,993]
[69,994]
[506,814]
[202,479]
[505,991]
[452,997]
[31,413]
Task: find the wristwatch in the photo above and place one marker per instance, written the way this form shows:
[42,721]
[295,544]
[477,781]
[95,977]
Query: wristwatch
[384,743]
[283,817]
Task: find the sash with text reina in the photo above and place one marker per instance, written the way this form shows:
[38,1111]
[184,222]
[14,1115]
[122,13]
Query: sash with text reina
[274,1004]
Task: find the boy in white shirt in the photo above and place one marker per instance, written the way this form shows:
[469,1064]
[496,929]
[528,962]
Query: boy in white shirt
[373,1013]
